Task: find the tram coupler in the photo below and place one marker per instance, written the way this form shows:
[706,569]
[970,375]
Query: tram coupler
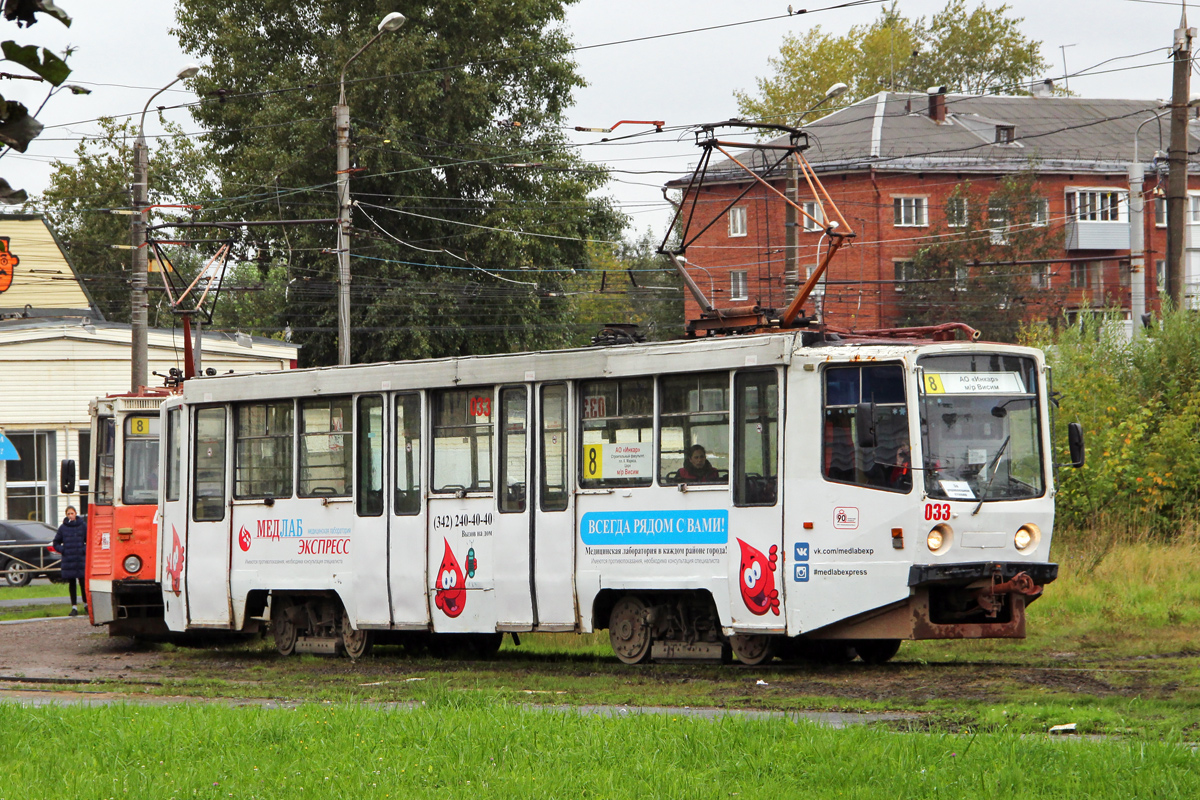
[991,597]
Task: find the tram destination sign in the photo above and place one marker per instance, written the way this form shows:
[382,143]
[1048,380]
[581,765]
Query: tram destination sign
[974,383]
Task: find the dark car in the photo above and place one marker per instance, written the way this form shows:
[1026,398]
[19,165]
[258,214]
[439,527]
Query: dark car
[25,551]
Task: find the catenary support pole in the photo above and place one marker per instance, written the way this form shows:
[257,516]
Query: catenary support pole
[1178,159]
[1137,247]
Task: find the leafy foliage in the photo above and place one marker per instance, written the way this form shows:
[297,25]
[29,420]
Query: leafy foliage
[81,192]
[978,271]
[1139,404]
[450,234]
[18,127]
[973,51]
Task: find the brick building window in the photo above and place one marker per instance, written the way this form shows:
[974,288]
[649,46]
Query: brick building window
[737,221]
[903,272]
[817,223]
[1039,278]
[911,211]
[1160,212]
[1160,275]
[739,285]
[1079,274]
[956,212]
[1039,212]
[1095,205]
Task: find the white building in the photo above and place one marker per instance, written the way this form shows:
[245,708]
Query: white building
[57,354]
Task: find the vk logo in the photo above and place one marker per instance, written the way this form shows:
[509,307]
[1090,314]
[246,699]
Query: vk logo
[802,551]
[801,573]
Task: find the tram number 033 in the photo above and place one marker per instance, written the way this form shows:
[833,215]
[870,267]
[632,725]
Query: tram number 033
[937,511]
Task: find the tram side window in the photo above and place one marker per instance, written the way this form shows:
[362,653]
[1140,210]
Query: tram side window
[756,439]
[554,490]
[866,427]
[513,413]
[370,456]
[326,455]
[693,424]
[208,489]
[618,432]
[140,465]
[174,452]
[408,454]
[263,454]
[462,440]
[105,460]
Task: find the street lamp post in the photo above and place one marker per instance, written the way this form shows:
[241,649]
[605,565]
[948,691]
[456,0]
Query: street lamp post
[341,118]
[139,357]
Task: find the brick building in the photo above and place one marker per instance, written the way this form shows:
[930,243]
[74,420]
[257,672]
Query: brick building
[892,163]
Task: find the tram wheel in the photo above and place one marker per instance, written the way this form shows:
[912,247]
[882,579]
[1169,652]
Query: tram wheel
[283,630]
[752,649]
[629,630]
[355,643]
[877,651]
[17,574]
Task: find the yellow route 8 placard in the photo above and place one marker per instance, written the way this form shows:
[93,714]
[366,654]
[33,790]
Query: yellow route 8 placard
[933,384]
[139,426]
[593,462]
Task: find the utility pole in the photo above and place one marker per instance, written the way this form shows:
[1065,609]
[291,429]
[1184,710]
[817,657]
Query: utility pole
[1178,161]
[1137,244]
[791,260]
[341,114]
[138,298]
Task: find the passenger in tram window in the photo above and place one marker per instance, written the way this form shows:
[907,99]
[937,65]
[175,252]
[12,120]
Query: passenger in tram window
[697,468]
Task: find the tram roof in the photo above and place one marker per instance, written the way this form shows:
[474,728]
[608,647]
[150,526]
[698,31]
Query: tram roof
[615,361]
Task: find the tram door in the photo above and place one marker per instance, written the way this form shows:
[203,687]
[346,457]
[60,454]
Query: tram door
[173,524]
[370,535]
[554,517]
[755,554]
[206,548]
[479,519]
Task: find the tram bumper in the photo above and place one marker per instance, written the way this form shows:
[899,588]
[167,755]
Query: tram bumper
[131,608]
[977,600]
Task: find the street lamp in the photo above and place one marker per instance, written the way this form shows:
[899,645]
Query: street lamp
[139,357]
[341,118]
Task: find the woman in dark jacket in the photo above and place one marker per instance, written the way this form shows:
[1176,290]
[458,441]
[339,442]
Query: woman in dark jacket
[71,543]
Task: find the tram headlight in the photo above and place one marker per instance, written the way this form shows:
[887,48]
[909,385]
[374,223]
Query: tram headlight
[938,539]
[1027,537]
[132,564]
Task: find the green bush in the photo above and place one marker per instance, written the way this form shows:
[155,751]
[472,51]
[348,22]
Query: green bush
[1140,410]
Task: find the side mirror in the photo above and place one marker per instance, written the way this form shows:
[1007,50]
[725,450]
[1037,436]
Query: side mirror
[1075,441]
[66,476]
[865,425]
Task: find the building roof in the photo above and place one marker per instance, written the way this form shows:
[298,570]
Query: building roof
[18,330]
[894,131]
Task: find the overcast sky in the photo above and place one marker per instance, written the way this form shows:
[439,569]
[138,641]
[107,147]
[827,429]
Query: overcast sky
[125,53]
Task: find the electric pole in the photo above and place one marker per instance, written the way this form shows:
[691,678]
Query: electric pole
[138,298]
[1178,160]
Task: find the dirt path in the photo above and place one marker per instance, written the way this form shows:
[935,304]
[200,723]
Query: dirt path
[70,648]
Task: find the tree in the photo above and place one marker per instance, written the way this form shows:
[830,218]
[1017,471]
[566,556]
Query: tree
[470,207]
[627,283]
[18,127]
[81,193]
[976,51]
[980,269]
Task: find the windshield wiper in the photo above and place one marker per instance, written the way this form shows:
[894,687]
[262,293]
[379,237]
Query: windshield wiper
[994,467]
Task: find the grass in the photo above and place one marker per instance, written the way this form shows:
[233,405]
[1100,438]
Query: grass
[33,590]
[457,746]
[36,612]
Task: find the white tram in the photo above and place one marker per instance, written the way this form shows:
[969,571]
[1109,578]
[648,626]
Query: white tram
[846,496]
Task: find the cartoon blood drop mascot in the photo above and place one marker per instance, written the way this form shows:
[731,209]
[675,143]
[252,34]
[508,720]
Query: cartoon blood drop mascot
[449,591]
[757,578]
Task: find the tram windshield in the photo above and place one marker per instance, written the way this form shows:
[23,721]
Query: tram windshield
[141,461]
[980,427]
